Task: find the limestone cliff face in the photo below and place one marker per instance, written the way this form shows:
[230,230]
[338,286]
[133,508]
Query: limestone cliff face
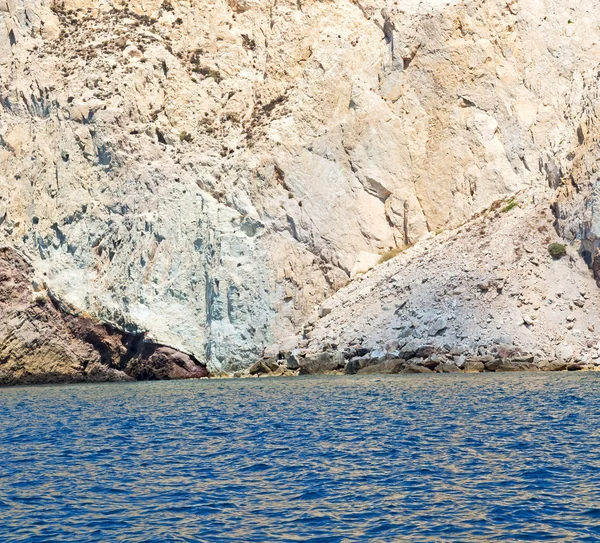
[209,171]
[573,172]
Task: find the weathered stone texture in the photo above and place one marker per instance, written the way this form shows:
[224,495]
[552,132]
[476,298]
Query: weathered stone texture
[209,171]
[41,343]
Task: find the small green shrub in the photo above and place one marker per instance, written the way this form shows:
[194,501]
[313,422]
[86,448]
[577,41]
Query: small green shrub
[388,255]
[512,203]
[557,250]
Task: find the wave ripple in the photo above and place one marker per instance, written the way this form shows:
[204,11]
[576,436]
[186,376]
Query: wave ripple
[507,457]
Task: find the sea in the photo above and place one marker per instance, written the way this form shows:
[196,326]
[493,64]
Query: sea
[432,458]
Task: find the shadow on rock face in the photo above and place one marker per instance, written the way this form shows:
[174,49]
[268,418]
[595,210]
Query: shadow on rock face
[164,363]
[41,342]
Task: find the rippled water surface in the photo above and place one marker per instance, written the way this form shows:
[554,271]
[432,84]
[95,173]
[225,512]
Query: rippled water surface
[506,457]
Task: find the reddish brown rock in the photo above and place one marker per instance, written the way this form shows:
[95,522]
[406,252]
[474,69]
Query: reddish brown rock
[41,343]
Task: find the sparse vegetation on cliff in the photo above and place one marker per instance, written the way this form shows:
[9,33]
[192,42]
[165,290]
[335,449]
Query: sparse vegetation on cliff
[557,250]
[388,255]
[512,203]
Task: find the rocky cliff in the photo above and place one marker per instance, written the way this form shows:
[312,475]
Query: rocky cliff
[206,173]
[497,294]
[43,341]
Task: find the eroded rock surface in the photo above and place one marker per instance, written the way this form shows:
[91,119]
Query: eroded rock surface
[41,343]
[208,172]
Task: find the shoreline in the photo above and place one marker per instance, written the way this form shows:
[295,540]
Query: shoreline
[330,364]
[388,367]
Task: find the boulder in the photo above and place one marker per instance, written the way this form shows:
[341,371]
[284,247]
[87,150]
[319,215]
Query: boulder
[378,355]
[415,347]
[353,366]
[512,364]
[415,368]
[426,351]
[448,368]
[524,358]
[438,326]
[357,352]
[167,363]
[434,361]
[359,362]
[97,372]
[293,362]
[259,368]
[271,363]
[415,360]
[281,370]
[552,365]
[322,362]
[460,360]
[473,366]
[527,320]
[487,360]
[387,367]
[325,309]
[409,350]
[564,352]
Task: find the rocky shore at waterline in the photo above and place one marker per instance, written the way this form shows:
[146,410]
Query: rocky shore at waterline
[455,302]
[422,359]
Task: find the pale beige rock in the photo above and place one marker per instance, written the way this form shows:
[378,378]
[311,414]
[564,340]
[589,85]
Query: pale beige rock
[364,262]
[212,172]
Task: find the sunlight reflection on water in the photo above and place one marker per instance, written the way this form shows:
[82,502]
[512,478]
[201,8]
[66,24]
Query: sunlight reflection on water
[494,457]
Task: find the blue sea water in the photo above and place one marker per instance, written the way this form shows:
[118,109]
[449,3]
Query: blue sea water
[490,457]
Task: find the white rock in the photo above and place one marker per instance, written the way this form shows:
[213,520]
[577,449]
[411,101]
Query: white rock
[365,261]
[212,200]
[564,352]
[438,326]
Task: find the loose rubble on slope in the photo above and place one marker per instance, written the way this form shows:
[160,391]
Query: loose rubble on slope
[486,297]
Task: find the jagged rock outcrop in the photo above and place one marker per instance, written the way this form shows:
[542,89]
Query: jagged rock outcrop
[574,172]
[209,171]
[41,343]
